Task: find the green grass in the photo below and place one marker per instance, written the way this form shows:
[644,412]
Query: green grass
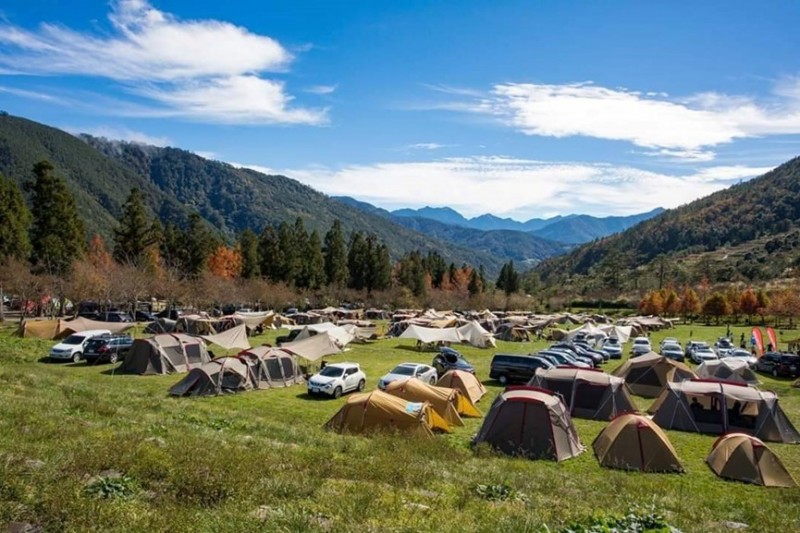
[84,450]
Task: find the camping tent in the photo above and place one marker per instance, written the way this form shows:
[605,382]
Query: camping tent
[41,329]
[465,382]
[633,442]
[431,335]
[474,334]
[745,458]
[232,338]
[512,333]
[76,325]
[375,411]
[589,331]
[161,325]
[727,369]
[258,368]
[647,374]
[591,394]
[623,333]
[164,354]
[530,422]
[314,348]
[448,403]
[715,407]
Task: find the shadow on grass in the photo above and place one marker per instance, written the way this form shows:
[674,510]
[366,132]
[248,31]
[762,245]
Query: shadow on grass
[314,397]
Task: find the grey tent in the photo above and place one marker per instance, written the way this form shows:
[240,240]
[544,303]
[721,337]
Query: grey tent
[716,408]
[591,394]
[728,369]
[532,423]
[258,368]
[165,354]
[647,374]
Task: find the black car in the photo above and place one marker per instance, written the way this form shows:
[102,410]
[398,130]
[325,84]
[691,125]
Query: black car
[450,359]
[507,368]
[779,364]
[108,348]
[144,316]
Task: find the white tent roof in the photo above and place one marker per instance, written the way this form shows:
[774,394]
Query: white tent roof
[232,338]
[314,348]
[474,334]
[589,329]
[428,335]
[623,333]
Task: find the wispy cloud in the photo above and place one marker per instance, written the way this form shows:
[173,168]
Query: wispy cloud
[321,89]
[32,95]
[680,128]
[203,69]
[520,188]
[427,146]
[121,134]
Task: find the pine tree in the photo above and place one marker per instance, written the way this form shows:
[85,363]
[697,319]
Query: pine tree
[358,261]
[286,258]
[382,273]
[199,242]
[248,248]
[14,221]
[172,250]
[474,286]
[57,236]
[411,273]
[269,253]
[508,280]
[298,248]
[336,272]
[312,267]
[135,233]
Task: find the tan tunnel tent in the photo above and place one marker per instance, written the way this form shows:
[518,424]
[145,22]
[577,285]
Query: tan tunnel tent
[532,423]
[445,402]
[41,329]
[591,394]
[716,408]
[633,442]
[647,374]
[728,369]
[378,411]
[745,458]
[465,382]
[257,368]
[76,325]
[165,354]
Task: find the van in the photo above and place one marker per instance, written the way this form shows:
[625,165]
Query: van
[507,368]
[71,348]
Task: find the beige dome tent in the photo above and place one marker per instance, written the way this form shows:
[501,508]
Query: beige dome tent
[532,423]
[647,374]
[165,354]
[591,394]
[716,408]
[465,382]
[375,411]
[258,368]
[633,442]
[448,403]
[727,369]
[745,458]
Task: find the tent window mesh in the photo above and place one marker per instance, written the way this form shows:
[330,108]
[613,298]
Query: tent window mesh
[588,396]
[643,376]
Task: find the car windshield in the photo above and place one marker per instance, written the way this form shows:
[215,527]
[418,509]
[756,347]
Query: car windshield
[403,370]
[641,341]
[73,339]
[331,372]
[672,347]
[725,343]
[94,343]
[740,353]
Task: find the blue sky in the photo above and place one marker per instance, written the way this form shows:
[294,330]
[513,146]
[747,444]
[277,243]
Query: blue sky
[521,109]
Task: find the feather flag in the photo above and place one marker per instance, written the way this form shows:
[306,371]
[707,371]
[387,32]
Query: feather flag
[773,339]
[758,340]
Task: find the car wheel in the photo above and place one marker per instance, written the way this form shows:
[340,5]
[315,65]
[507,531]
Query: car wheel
[337,392]
[76,357]
[361,385]
[503,379]
[775,372]
[113,358]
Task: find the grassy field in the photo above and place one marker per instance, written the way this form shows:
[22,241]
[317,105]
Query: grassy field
[82,449]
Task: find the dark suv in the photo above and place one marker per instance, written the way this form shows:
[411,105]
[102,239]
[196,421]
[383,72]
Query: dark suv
[779,364]
[508,368]
[450,359]
[109,348]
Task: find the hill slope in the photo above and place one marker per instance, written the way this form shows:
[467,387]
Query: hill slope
[101,173]
[750,231]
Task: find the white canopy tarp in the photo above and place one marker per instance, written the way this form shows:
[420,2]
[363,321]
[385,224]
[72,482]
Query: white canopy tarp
[430,335]
[474,334]
[232,338]
[343,336]
[314,348]
[255,319]
[589,330]
[623,333]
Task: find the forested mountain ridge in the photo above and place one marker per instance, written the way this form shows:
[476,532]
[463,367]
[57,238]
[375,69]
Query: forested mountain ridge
[760,219]
[101,173]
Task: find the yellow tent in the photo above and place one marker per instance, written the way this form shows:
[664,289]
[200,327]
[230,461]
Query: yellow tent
[446,402]
[465,382]
[634,442]
[375,411]
[745,458]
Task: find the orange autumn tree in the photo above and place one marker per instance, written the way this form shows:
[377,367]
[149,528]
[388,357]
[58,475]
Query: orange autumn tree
[225,262]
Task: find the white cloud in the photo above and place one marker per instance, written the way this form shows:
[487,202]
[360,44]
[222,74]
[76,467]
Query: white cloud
[520,188]
[32,95]
[426,146]
[321,89]
[181,64]
[685,128]
[122,134]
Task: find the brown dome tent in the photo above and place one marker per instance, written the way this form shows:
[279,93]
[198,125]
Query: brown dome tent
[745,458]
[728,369]
[716,408]
[165,354]
[633,442]
[446,402]
[647,374]
[375,411]
[591,394]
[465,382]
[532,423]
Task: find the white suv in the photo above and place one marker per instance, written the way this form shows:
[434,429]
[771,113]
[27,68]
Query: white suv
[71,348]
[641,346]
[336,379]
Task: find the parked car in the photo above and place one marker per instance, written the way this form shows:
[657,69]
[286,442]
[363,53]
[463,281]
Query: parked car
[723,346]
[692,345]
[115,316]
[779,364]
[580,353]
[450,359]
[337,379]
[673,351]
[599,356]
[613,347]
[703,353]
[107,348]
[743,355]
[408,370]
[144,316]
[669,340]
[511,368]
[641,346]
[564,358]
[71,348]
